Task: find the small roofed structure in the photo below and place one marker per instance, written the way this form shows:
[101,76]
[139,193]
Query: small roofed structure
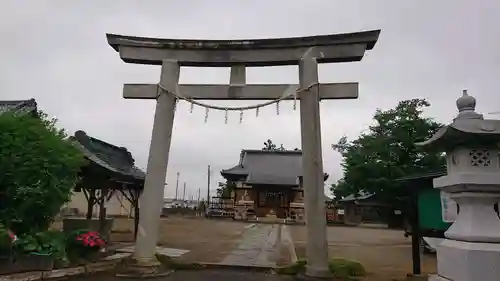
[19,106]
[268,181]
[110,170]
[360,207]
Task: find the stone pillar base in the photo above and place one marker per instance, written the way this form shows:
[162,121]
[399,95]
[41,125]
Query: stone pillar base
[142,268]
[465,261]
[317,273]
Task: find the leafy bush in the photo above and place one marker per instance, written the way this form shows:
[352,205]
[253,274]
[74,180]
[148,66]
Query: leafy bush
[39,168]
[5,241]
[340,268]
[345,268]
[83,244]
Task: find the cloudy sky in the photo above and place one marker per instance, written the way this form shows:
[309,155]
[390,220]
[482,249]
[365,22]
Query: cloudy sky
[56,51]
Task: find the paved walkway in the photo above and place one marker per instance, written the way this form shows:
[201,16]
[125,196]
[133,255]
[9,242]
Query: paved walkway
[196,275]
[257,247]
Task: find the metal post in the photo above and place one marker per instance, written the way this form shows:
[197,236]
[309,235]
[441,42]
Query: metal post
[208,187]
[177,185]
[184,193]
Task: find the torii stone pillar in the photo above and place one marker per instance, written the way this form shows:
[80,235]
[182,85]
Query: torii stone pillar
[306,52]
[471,251]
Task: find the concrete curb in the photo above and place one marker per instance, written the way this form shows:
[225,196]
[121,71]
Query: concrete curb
[288,241]
[257,268]
[411,277]
[144,276]
[106,264]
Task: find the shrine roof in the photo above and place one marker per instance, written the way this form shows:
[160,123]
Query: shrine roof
[354,197]
[117,160]
[268,167]
[27,106]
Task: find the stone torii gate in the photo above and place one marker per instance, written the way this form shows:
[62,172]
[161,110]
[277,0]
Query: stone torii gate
[306,52]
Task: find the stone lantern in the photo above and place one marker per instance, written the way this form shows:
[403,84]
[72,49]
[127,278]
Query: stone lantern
[471,251]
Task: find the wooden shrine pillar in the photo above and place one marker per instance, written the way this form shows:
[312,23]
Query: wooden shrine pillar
[152,197]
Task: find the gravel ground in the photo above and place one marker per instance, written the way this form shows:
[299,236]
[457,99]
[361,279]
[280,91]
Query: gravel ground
[386,254]
[208,240]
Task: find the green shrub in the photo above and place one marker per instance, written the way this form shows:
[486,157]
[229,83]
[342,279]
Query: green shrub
[340,268]
[43,243]
[5,241]
[39,167]
[345,268]
[294,268]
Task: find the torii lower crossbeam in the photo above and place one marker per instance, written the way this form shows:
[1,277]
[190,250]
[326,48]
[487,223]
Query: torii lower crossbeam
[243,92]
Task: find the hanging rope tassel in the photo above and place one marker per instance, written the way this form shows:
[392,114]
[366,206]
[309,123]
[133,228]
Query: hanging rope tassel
[241,109]
[206,114]
[294,101]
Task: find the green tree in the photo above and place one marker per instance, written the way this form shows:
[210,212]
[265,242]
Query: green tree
[269,145]
[340,189]
[224,189]
[387,151]
[39,167]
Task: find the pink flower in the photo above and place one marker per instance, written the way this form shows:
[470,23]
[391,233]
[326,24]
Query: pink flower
[12,236]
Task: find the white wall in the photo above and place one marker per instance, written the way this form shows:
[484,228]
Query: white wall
[113,206]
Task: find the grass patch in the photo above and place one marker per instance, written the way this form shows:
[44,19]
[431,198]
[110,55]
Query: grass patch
[171,263]
[340,268]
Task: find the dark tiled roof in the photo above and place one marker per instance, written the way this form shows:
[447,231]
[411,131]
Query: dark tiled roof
[421,176]
[360,196]
[117,160]
[27,106]
[268,167]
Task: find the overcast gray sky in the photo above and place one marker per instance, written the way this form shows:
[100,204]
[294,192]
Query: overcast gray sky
[56,51]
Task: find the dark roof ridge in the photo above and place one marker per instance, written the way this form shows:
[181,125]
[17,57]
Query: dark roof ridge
[17,105]
[18,101]
[272,151]
[84,138]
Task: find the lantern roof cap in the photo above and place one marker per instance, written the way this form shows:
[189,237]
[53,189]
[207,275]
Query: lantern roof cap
[469,128]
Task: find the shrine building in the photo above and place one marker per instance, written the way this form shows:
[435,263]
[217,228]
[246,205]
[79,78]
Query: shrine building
[271,180]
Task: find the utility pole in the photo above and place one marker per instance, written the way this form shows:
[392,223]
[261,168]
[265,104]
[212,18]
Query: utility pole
[208,186]
[184,192]
[177,185]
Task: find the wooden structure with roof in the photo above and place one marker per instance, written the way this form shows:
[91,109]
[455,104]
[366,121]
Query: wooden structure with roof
[24,106]
[361,207]
[269,180]
[110,170]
